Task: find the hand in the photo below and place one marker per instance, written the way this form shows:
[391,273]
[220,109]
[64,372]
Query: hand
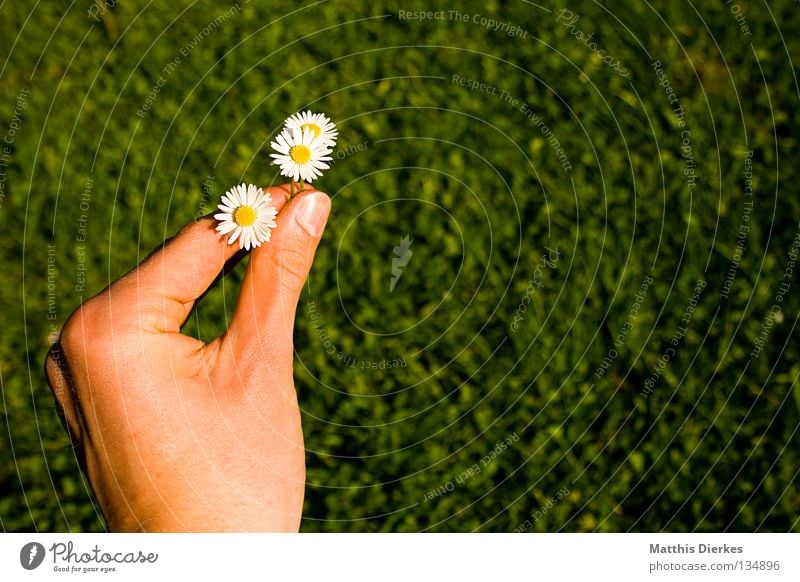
[175,434]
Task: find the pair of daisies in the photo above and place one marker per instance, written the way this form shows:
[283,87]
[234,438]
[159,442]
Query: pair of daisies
[302,149]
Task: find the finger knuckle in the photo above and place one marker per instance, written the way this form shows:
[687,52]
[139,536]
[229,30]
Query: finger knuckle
[85,328]
[293,266]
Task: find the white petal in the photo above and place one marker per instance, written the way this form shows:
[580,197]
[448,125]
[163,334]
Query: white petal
[226,227]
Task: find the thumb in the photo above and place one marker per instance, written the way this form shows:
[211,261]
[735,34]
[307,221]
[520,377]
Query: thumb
[264,315]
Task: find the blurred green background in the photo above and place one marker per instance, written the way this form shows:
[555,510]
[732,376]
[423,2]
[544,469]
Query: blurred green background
[138,115]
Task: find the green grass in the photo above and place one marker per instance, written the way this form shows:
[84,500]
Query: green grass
[481,190]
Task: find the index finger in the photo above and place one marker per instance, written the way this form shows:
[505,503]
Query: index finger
[165,286]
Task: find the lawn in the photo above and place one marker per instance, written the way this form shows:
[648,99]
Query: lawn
[593,330]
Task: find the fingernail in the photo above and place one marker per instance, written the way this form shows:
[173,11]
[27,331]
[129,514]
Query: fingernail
[313,213]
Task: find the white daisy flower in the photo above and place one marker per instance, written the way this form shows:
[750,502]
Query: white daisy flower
[247,212]
[301,156]
[319,123]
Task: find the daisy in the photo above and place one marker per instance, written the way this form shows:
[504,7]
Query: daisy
[248,213]
[301,156]
[319,124]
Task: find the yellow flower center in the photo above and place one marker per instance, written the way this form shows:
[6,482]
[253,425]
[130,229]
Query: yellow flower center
[300,154]
[244,216]
[313,128]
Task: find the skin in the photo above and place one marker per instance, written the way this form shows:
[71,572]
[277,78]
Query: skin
[175,434]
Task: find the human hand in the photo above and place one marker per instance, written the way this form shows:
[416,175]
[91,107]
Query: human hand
[175,434]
